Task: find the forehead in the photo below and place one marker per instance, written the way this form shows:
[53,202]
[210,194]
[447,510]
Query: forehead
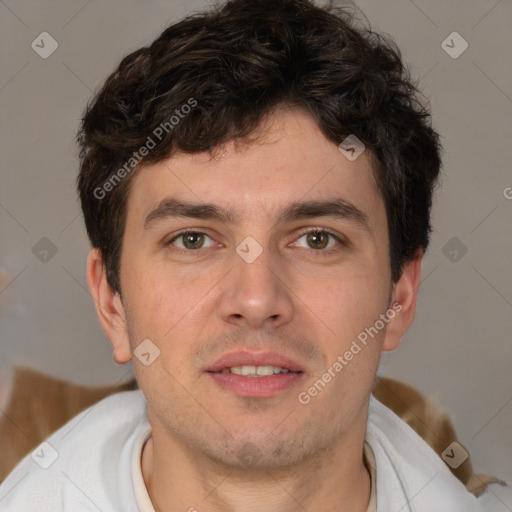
[291,161]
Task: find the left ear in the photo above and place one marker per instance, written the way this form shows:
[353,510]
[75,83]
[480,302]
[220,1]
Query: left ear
[403,302]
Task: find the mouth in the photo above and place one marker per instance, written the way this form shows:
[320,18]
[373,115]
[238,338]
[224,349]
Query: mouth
[256,371]
[260,375]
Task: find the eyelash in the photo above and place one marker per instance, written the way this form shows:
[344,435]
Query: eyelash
[340,240]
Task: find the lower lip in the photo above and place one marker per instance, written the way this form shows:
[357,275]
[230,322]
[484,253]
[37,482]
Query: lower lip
[261,387]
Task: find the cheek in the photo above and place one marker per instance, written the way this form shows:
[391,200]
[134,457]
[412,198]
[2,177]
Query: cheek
[163,303]
[349,302]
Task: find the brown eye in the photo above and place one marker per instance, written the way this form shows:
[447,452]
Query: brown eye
[193,240]
[318,239]
[190,240]
[321,241]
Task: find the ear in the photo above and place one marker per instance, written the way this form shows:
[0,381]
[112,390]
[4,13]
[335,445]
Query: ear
[403,302]
[109,307]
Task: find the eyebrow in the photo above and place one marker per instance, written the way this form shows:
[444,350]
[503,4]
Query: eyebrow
[337,207]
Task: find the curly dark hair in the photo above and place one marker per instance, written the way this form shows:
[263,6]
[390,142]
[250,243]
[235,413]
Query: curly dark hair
[235,64]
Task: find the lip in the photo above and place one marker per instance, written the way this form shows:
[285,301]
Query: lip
[255,387]
[246,358]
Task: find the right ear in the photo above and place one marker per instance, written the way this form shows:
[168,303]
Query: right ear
[109,307]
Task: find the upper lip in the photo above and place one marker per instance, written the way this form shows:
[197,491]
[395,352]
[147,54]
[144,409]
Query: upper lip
[247,358]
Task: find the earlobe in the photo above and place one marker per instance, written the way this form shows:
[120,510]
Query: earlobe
[403,301]
[109,307]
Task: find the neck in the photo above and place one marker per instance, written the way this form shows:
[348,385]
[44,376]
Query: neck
[334,480]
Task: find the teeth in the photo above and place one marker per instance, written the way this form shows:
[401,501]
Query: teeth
[265,370]
[248,370]
[255,371]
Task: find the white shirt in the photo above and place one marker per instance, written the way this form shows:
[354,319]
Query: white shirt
[93,463]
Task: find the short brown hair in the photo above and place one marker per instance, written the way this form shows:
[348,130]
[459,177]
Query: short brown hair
[238,62]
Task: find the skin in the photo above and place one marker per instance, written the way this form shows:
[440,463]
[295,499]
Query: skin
[295,298]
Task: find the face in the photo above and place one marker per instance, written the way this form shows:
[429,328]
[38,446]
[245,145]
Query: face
[282,275]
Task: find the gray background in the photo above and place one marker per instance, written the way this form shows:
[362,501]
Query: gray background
[458,350]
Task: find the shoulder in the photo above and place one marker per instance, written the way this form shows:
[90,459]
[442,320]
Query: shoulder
[410,474]
[77,467]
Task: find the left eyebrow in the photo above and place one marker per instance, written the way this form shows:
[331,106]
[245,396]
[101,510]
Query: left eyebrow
[337,207]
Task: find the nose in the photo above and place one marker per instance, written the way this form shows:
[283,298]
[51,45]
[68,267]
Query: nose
[255,293]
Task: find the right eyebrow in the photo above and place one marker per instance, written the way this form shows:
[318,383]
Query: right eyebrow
[171,207]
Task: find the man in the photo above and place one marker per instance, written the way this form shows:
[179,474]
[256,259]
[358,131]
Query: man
[256,185]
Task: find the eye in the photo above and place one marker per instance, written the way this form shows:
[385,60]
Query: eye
[191,240]
[318,239]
